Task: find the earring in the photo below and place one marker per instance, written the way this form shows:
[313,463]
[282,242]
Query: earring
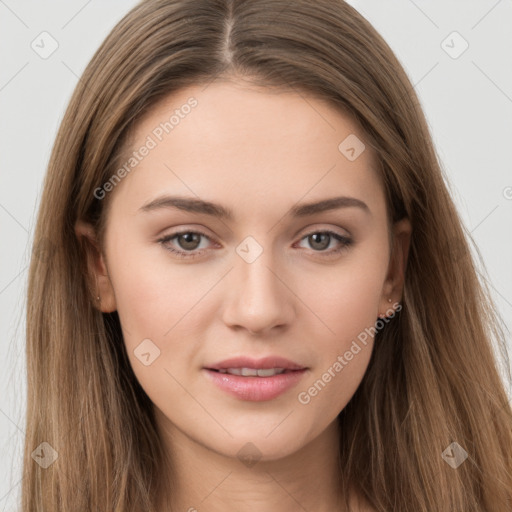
[383,315]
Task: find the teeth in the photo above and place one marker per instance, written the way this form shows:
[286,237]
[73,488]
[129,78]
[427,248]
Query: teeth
[270,371]
[253,372]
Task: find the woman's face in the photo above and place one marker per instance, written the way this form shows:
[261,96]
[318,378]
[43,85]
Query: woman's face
[257,276]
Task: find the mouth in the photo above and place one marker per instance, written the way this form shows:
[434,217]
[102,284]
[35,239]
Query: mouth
[253,372]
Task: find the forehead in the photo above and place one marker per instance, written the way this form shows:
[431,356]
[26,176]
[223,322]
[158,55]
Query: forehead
[250,146]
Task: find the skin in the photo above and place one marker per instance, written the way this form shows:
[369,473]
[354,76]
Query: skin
[257,152]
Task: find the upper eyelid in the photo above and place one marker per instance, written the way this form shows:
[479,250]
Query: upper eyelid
[307,229]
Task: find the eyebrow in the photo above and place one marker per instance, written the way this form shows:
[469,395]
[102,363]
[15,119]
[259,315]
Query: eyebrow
[194,205]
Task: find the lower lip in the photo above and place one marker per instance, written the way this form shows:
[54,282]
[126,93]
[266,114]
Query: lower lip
[255,389]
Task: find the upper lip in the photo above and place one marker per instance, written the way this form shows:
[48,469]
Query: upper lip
[263,363]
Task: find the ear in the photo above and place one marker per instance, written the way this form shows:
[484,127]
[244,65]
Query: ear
[97,268]
[394,283]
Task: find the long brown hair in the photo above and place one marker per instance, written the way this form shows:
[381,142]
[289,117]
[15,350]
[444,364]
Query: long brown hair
[433,378]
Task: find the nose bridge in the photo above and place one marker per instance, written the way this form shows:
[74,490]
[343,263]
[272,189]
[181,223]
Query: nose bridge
[259,300]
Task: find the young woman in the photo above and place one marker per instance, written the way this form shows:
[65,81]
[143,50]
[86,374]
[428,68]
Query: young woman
[260,295]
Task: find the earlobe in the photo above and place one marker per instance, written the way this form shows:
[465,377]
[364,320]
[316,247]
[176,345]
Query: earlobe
[97,273]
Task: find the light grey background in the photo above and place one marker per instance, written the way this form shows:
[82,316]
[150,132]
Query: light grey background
[467,101]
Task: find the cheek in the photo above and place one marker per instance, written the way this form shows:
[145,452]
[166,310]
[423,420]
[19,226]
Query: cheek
[152,308]
[345,298]
[152,293]
[347,302]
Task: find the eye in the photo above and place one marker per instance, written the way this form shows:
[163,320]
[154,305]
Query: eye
[189,241]
[320,240]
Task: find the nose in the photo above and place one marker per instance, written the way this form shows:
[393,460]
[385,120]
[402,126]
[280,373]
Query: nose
[259,298]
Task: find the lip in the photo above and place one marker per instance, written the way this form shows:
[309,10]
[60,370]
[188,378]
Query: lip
[256,389]
[263,363]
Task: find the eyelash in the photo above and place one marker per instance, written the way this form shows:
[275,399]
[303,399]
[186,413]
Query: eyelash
[346,242]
